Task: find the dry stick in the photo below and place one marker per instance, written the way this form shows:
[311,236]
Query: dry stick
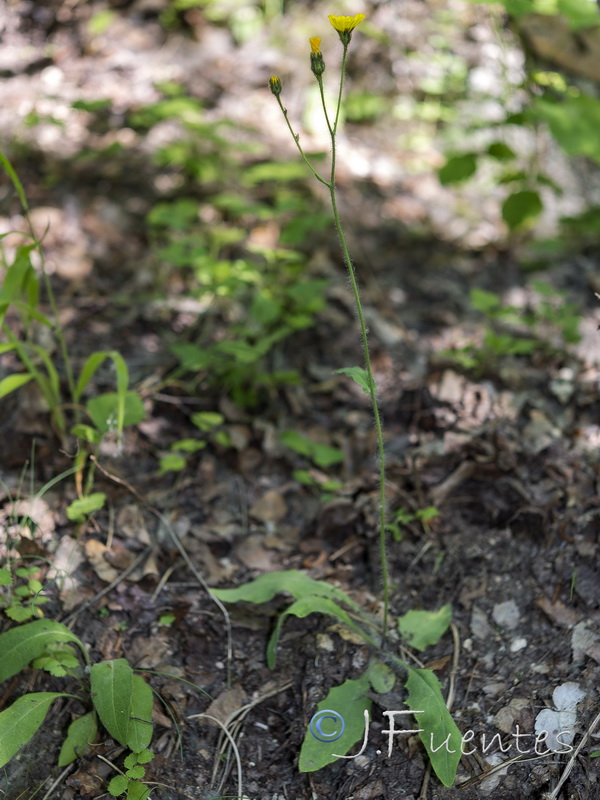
[236,752]
[567,771]
[183,552]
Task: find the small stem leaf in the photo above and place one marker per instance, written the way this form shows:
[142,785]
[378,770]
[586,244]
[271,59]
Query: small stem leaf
[13,382]
[20,721]
[440,736]
[80,735]
[112,689]
[322,743]
[139,733]
[19,646]
[359,375]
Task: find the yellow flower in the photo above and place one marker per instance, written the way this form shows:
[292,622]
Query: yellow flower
[346,24]
[315,44]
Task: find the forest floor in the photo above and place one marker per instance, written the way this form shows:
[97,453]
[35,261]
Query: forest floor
[505,447]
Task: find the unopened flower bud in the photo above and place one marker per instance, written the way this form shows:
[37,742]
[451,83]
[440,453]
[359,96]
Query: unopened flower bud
[317,64]
[275,85]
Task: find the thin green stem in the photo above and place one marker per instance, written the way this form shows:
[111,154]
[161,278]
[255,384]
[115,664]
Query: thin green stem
[366,354]
[296,138]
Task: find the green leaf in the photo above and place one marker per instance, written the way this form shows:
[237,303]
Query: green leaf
[138,791]
[80,736]
[501,151]
[5,577]
[139,734]
[325,456]
[297,442]
[349,703]
[87,433]
[381,677]
[424,628]
[172,462]
[118,785]
[521,209]
[457,169]
[487,302]
[8,168]
[13,382]
[19,646]
[104,411]
[439,735]
[84,506]
[207,420]
[299,585]
[136,772]
[21,720]
[112,689]
[312,605]
[144,756]
[359,375]
[574,122]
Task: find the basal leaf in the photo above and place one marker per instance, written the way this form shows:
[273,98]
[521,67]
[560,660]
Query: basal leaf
[83,506]
[112,689]
[80,735]
[21,720]
[139,733]
[424,628]
[337,725]
[19,646]
[440,736]
[381,677]
[13,382]
[312,604]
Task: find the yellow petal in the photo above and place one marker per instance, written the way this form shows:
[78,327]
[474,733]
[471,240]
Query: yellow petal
[345,24]
[315,44]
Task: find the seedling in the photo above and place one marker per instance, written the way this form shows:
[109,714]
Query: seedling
[119,699]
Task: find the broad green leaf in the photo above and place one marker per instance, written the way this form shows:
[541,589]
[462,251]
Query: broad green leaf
[112,688]
[188,445]
[381,677]
[312,605]
[80,735]
[87,433]
[87,373]
[574,123]
[118,785]
[359,375]
[139,734]
[5,577]
[19,646]
[457,169]
[84,506]
[13,382]
[521,209]
[20,721]
[342,711]
[192,357]
[138,790]
[484,301]
[104,410]
[440,736]
[424,628]
[296,583]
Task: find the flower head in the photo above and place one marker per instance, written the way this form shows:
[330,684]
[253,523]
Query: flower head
[316,57]
[275,85]
[345,25]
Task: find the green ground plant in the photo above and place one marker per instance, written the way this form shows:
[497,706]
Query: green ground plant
[549,325]
[41,362]
[117,698]
[552,103]
[350,702]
